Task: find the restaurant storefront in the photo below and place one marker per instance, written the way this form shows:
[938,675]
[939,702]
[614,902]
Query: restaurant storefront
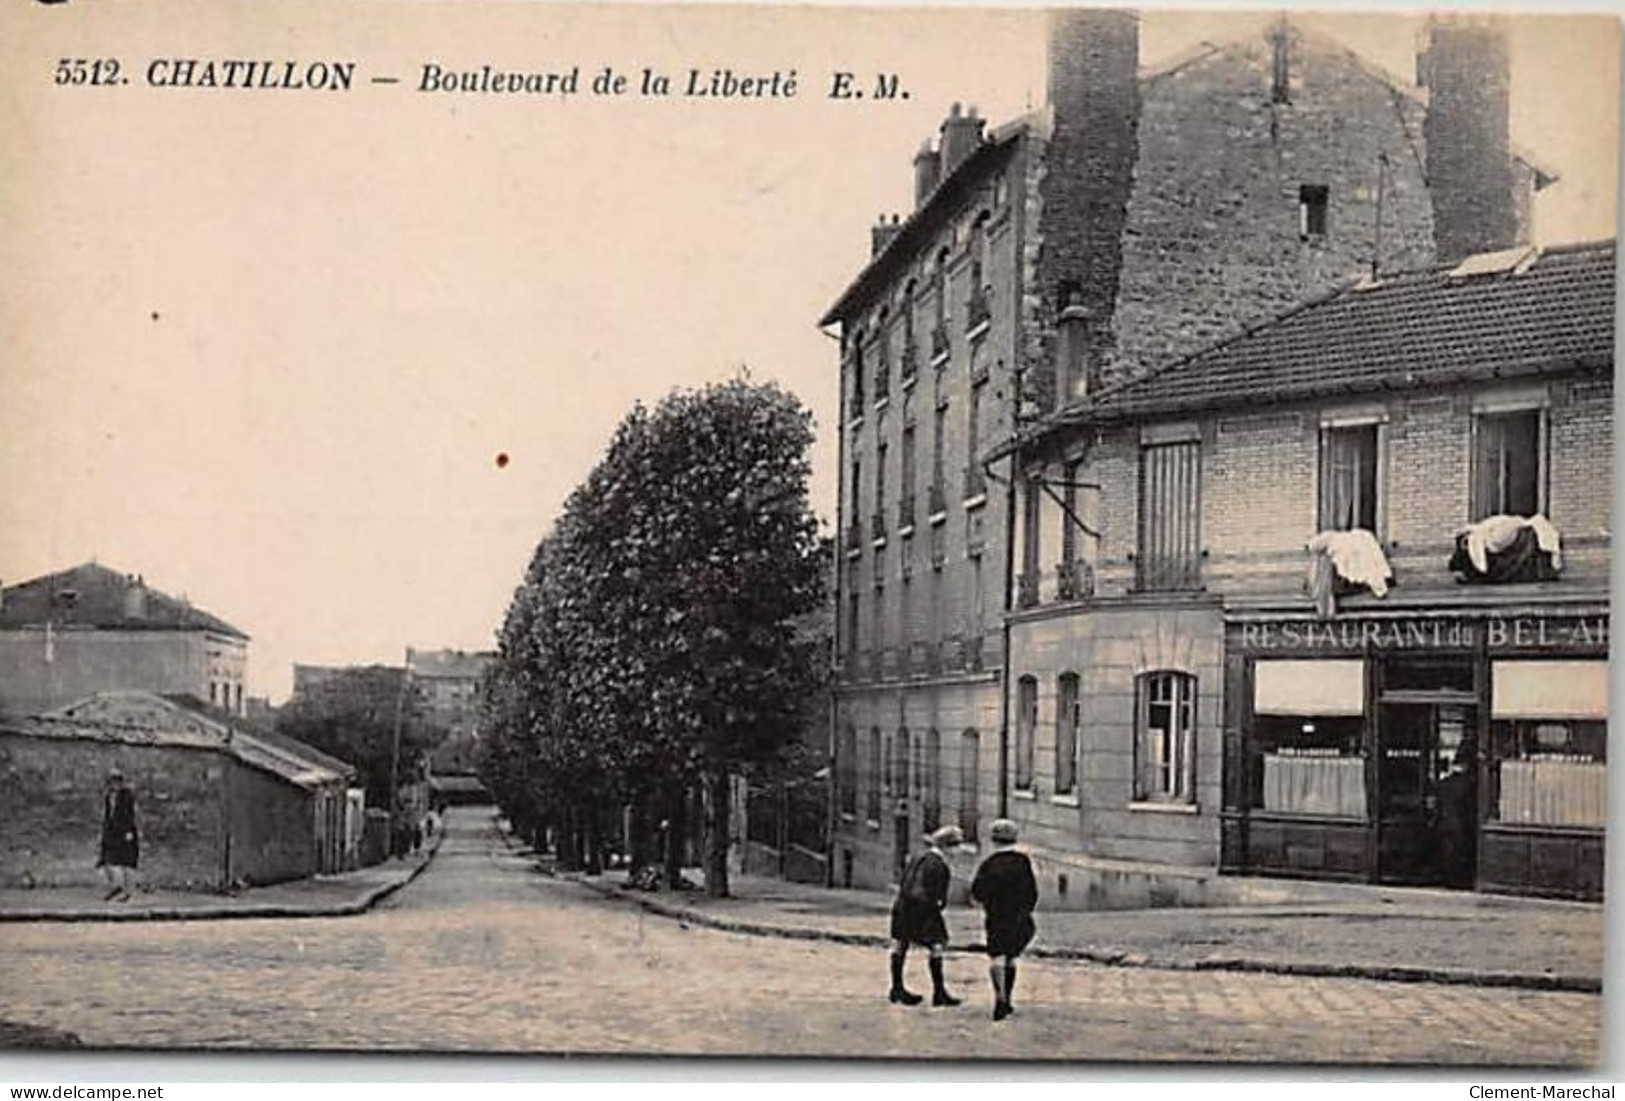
[1455,748]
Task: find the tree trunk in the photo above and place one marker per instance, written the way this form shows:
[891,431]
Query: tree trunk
[594,842]
[672,838]
[716,832]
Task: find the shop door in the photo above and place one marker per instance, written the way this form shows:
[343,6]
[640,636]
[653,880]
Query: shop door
[1426,789]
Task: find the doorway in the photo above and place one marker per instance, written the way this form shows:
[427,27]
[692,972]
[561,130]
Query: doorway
[1427,786]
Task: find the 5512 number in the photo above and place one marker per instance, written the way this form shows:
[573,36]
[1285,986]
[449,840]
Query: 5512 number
[79,70]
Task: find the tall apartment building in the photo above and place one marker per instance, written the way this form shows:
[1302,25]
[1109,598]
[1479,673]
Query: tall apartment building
[1137,219]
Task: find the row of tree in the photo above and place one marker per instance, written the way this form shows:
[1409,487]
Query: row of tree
[658,644]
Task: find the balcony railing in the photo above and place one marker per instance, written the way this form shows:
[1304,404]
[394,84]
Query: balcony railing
[932,657]
[973,653]
[1074,581]
[1027,590]
[975,481]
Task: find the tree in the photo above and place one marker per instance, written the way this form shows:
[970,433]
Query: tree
[654,644]
[353,716]
[696,552]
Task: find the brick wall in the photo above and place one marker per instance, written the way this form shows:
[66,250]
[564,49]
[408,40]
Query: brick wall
[52,789]
[1212,239]
[85,662]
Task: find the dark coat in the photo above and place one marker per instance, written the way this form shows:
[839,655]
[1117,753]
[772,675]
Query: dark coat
[916,916]
[1007,891]
[121,843]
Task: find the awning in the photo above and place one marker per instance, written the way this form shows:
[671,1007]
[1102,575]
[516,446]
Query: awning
[1310,688]
[1549,690]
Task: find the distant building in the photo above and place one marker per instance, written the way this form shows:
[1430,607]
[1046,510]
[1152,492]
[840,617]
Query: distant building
[92,629]
[448,688]
[218,804]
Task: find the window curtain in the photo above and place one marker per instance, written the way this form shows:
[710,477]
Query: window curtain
[1349,479]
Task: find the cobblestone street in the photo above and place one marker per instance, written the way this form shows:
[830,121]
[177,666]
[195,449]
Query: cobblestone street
[481,953]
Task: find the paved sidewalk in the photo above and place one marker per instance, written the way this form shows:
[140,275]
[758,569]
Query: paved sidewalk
[321,896]
[1395,934]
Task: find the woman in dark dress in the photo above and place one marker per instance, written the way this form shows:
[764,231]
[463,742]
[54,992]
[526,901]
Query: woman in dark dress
[916,916]
[1008,892]
[121,842]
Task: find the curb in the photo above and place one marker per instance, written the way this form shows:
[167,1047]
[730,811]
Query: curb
[1579,984]
[361,905]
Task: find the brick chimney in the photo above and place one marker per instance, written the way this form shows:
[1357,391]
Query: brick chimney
[1465,67]
[881,234]
[1094,95]
[961,135]
[927,171]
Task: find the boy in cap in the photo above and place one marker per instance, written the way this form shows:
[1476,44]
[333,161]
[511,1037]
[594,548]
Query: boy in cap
[916,916]
[1008,892]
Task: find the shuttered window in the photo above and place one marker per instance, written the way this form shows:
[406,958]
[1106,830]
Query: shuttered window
[969,774]
[1066,734]
[1026,724]
[1170,517]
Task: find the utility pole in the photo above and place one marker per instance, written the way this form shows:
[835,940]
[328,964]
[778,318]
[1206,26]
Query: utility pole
[395,751]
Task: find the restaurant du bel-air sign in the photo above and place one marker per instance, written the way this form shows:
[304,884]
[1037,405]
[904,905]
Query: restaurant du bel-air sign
[1586,633]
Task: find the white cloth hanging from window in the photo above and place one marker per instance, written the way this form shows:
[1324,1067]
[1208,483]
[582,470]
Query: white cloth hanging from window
[1356,556]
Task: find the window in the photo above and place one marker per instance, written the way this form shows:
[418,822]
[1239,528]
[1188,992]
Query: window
[906,494]
[887,780]
[1349,477]
[872,787]
[900,764]
[1549,743]
[1313,200]
[1169,554]
[969,774]
[880,491]
[1508,459]
[939,443]
[1308,738]
[852,619]
[847,771]
[1165,738]
[1069,498]
[931,780]
[1067,714]
[1026,725]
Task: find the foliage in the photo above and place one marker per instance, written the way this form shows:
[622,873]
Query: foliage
[353,717]
[660,638]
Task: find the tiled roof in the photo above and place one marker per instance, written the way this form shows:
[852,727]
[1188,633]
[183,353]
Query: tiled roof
[262,732]
[92,595]
[146,718]
[1505,316]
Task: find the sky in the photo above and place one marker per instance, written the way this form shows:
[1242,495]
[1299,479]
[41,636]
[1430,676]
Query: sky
[265,348]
